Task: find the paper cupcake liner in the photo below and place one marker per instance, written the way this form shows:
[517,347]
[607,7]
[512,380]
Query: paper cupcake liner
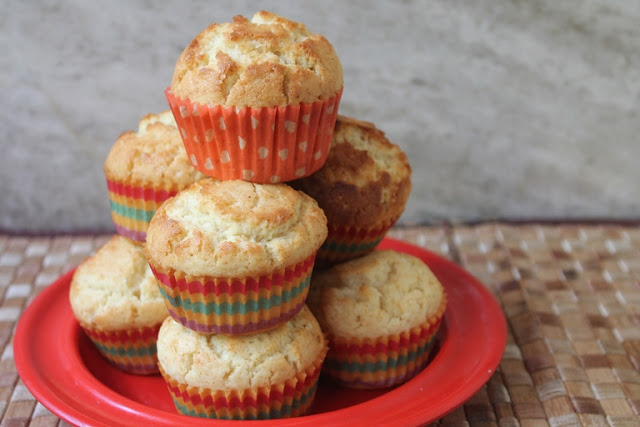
[385,361]
[133,207]
[291,398]
[235,306]
[345,243]
[262,145]
[130,350]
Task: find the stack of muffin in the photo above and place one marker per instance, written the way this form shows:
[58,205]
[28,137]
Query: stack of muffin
[200,194]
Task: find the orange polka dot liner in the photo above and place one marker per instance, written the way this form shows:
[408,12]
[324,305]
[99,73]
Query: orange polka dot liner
[261,145]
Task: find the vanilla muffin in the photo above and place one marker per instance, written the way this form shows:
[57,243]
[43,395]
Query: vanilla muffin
[143,169]
[267,61]
[235,257]
[116,300]
[363,189]
[257,99]
[268,375]
[381,313]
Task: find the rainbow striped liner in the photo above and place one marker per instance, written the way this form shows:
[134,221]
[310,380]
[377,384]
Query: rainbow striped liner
[133,207]
[235,306]
[368,363]
[291,398]
[345,243]
[130,350]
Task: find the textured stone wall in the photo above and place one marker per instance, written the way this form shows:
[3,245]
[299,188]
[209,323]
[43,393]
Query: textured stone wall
[507,109]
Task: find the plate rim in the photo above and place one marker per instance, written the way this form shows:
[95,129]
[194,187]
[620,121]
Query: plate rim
[488,360]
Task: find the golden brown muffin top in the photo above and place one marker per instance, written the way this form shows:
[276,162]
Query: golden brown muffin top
[235,229]
[265,62]
[115,289]
[382,293]
[154,155]
[227,362]
[366,180]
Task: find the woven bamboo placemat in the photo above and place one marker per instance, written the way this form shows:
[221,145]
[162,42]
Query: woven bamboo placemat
[570,293]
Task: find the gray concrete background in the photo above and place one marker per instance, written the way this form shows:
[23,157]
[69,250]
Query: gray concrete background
[507,109]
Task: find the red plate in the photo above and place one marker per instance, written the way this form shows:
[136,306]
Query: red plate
[62,369]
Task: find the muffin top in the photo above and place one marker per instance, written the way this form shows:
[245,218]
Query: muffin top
[115,289]
[266,62]
[223,362]
[234,229]
[366,179]
[154,155]
[382,293]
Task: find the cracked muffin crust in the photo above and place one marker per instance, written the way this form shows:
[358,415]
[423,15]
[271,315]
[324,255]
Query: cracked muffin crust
[235,229]
[153,155]
[115,289]
[366,179]
[263,62]
[382,293]
[362,188]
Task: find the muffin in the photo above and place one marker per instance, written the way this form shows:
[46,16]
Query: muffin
[381,313]
[116,301]
[363,189]
[257,99]
[269,375]
[233,257]
[143,169]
